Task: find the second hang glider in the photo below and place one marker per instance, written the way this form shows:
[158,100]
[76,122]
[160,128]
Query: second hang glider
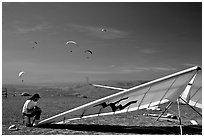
[159,91]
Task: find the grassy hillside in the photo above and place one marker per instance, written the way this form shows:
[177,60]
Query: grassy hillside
[56,99]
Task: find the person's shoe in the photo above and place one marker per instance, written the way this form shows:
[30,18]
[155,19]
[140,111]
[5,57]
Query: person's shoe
[35,123]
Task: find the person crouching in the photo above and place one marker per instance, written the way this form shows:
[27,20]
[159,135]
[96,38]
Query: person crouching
[31,110]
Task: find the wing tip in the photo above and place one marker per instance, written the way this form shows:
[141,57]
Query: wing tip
[198,68]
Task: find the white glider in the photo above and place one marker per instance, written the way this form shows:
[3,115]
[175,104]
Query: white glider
[159,91]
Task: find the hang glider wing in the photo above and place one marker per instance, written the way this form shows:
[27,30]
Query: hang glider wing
[159,91]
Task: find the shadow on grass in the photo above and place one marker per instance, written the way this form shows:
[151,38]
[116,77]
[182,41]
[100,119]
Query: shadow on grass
[191,130]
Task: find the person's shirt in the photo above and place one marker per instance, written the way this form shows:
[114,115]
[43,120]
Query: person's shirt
[29,104]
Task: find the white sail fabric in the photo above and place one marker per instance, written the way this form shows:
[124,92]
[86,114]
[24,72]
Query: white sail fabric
[195,93]
[149,94]
[185,95]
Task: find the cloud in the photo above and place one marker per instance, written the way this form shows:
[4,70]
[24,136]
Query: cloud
[21,27]
[191,65]
[39,27]
[93,72]
[140,69]
[111,33]
[161,69]
[124,70]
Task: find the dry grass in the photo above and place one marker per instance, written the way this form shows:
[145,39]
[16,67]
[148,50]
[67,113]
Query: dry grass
[57,99]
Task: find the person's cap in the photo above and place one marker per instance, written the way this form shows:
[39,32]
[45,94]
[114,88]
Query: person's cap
[36,96]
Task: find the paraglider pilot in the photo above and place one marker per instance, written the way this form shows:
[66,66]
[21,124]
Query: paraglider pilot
[31,110]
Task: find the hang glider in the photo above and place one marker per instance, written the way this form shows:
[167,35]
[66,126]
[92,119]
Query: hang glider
[159,91]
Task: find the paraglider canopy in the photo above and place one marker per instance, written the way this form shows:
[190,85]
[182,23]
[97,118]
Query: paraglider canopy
[71,42]
[20,74]
[88,52]
[36,43]
[103,30]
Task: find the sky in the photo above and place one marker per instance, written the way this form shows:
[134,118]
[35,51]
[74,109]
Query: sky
[142,41]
